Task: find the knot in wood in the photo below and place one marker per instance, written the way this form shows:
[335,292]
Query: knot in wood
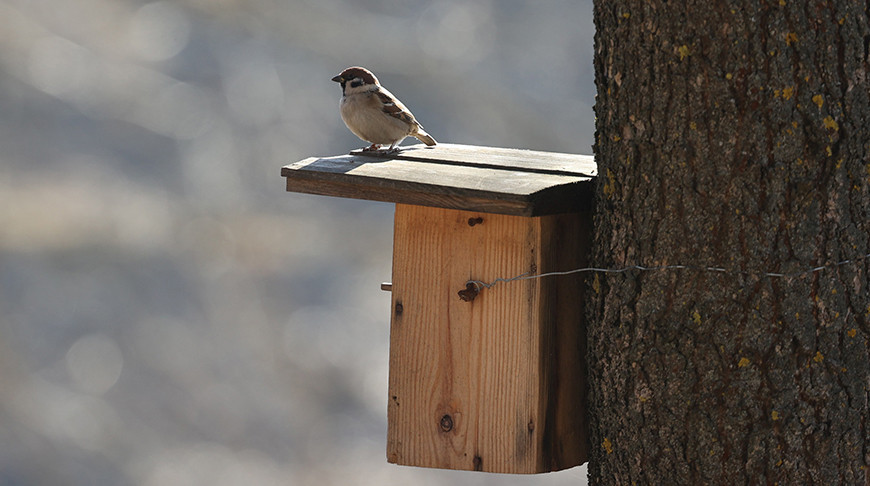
[446,423]
[475,221]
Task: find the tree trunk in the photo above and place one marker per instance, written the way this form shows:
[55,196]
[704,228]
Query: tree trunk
[733,135]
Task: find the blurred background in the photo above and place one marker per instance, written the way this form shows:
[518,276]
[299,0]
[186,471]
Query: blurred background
[169,315]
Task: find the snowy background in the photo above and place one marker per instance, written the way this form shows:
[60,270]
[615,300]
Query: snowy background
[169,315]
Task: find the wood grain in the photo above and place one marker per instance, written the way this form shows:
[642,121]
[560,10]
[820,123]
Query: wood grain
[500,158]
[504,181]
[496,384]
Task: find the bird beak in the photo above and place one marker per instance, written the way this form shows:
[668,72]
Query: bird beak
[338,79]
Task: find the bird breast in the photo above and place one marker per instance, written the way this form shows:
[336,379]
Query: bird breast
[364,116]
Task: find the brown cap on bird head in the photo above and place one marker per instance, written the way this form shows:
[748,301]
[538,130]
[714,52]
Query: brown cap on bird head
[356,72]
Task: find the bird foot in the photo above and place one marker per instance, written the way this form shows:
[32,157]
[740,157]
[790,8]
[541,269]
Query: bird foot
[375,148]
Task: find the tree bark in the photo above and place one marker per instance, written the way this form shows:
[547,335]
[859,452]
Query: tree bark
[733,135]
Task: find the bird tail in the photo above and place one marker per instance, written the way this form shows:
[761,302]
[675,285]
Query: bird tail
[424,137]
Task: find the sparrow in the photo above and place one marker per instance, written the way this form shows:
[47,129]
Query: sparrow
[373,114]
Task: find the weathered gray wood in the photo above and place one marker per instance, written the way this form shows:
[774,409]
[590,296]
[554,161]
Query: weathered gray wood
[501,158]
[493,180]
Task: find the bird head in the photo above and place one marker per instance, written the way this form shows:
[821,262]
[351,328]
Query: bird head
[356,79]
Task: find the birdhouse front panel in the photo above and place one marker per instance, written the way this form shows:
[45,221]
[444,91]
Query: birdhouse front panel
[494,383]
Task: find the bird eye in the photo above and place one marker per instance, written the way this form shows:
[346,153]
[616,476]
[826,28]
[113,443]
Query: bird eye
[356,83]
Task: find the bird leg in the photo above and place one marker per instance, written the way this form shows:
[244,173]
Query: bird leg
[373,148]
[394,147]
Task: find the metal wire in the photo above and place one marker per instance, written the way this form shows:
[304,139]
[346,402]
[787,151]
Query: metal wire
[526,276]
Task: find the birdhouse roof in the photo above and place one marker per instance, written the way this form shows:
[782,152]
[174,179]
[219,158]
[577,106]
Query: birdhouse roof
[472,178]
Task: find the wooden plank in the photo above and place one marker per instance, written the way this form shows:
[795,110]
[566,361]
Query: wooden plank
[388,173]
[441,199]
[495,384]
[500,158]
[492,180]
[564,244]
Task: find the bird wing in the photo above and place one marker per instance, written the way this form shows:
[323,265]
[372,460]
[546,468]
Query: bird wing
[393,107]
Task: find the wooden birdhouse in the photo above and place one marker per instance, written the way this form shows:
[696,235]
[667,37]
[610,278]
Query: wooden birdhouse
[486,379]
